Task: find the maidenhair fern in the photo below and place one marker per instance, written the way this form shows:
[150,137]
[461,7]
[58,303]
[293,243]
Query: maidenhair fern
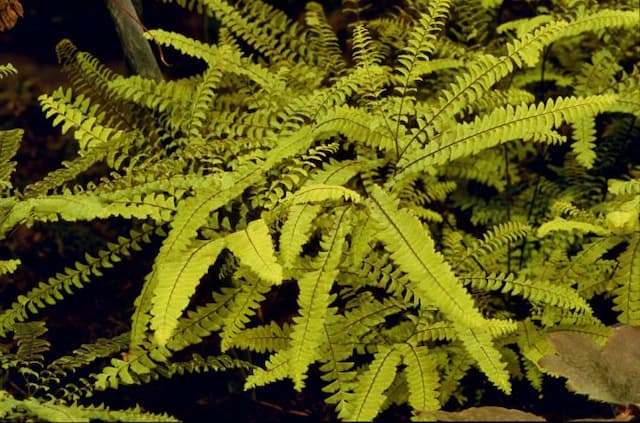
[401,187]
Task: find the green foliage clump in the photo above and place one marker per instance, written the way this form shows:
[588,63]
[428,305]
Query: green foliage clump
[436,193]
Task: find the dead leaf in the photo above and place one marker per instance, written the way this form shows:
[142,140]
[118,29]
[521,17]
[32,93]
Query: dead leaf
[10,11]
[610,373]
[480,414]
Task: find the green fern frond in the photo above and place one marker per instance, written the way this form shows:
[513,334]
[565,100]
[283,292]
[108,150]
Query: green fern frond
[254,247]
[420,45]
[364,50]
[535,291]
[627,276]
[263,27]
[296,231]
[314,299]
[359,127]
[9,266]
[9,143]
[497,237]
[619,187]
[201,103]
[422,377]
[326,45]
[54,411]
[599,21]
[83,272]
[371,384]
[499,126]
[87,354]
[474,20]
[77,114]
[182,272]
[413,250]
[337,372]
[244,305]
[193,212]
[313,303]
[80,207]
[205,319]
[212,363]
[7,69]
[315,193]
[584,133]
[234,63]
[427,331]
[264,338]
[478,343]
[31,346]
[456,367]
[560,224]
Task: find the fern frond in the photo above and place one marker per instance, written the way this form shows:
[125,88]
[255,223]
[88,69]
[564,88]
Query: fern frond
[31,346]
[312,193]
[535,291]
[296,231]
[371,384]
[456,368]
[7,69]
[584,133]
[422,377]
[136,366]
[9,266]
[193,212]
[619,187]
[627,276]
[263,27]
[254,247]
[82,116]
[413,250]
[83,272]
[9,143]
[313,302]
[201,103]
[364,50]
[212,363]
[479,76]
[498,237]
[359,126]
[53,411]
[264,338]
[337,372]
[87,354]
[314,299]
[420,45]
[182,272]
[244,305]
[205,319]
[560,224]
[478,343]
[499,126]
[598,21]
[326,45]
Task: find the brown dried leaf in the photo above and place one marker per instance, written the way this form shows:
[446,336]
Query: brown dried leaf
[609,374]
[10,11]
[479,414]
